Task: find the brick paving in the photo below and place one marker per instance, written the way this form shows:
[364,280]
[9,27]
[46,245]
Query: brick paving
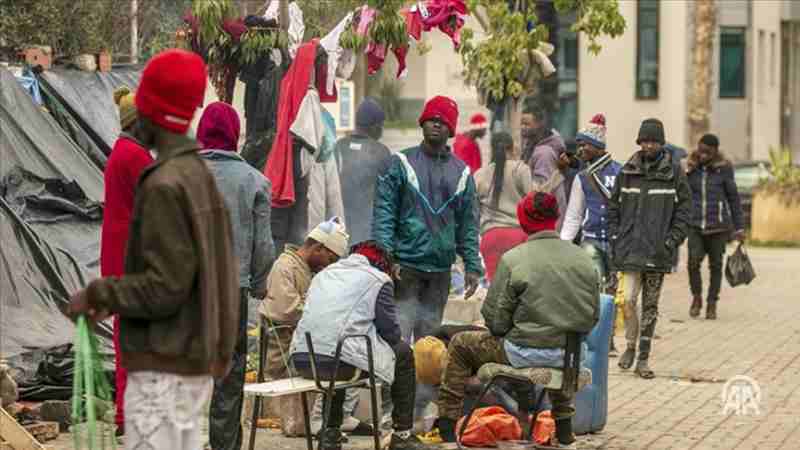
[757,335]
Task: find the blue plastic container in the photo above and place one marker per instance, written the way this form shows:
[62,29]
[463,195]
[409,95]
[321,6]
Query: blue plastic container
[591,403]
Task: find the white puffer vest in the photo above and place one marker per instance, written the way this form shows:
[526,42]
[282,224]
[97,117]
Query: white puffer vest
[340,302]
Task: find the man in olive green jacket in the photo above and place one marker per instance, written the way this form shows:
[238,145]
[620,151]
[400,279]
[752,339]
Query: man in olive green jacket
[542,290]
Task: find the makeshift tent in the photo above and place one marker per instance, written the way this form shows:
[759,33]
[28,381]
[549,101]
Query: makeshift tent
[83,104]
[50,217]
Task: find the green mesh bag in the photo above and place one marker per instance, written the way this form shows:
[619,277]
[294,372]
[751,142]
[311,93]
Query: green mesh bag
[92,404]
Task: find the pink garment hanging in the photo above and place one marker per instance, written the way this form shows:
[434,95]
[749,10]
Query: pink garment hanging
[447,15]
[376,55]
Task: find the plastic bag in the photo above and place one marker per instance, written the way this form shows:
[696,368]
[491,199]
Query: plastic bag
[489,425]
[544,428]
[738,268]
[92,405]
[430,358]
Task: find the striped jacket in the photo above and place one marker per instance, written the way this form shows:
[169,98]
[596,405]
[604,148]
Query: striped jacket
[648,214]
[426,212]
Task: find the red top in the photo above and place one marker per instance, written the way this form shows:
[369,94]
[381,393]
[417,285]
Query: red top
[280,162]
[468,151]
[127,161]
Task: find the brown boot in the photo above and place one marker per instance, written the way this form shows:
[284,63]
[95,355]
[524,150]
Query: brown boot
[711,311]
[697,305]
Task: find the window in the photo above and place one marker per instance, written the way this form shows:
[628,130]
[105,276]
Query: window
[772,59]
[647,49]
[566,117]
[731,62]
[761,66]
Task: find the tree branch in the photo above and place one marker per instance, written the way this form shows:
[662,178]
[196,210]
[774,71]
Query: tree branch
[482,20]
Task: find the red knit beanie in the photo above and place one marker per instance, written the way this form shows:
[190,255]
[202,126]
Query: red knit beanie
[172,87]
[538,211]
[442,108]
[478,122]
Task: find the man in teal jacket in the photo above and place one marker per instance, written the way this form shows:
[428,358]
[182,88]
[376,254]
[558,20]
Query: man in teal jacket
[425,213]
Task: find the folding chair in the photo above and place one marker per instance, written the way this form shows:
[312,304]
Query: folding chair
[571,378]
[302,386]
[333,385]
[263,345]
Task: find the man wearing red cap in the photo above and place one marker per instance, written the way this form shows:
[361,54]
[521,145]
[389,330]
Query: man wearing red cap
[466,144]
[178,301]
[426,212]
[555,291]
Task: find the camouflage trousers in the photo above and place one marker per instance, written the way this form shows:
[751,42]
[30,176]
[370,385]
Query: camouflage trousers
[467,352]
[649,285]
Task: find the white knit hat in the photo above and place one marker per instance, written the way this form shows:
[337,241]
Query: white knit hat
[332,235]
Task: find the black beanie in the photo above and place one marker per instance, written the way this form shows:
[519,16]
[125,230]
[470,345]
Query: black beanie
[651,130]
[710,140]
[369,113]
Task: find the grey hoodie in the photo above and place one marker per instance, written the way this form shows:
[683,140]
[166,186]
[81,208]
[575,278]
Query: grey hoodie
[543,163]
[247,195]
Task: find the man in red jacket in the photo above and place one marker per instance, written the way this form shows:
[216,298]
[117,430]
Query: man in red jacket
[128,159]
[466,144]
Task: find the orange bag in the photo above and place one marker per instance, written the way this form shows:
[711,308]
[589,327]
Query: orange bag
[544,428]
[489,425]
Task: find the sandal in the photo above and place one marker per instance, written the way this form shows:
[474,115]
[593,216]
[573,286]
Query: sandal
[626,360]
[643,370]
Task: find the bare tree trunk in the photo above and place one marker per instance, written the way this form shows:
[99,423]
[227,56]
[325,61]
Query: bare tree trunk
[283,14]
[705,25]
[134,31]
[514,116]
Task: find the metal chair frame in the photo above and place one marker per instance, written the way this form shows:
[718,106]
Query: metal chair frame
[569,383]
[328,392]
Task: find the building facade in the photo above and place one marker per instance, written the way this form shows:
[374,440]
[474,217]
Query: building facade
[646,72]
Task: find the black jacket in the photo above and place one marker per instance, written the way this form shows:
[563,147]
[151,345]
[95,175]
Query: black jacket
[648,214]
[715,199]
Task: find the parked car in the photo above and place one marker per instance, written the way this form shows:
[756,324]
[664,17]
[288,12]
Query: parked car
[747,175]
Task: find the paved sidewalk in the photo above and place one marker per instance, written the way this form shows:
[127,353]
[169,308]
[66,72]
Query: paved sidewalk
[757,335]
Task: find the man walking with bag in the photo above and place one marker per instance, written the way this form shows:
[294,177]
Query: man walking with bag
[648,217]
[716,212]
